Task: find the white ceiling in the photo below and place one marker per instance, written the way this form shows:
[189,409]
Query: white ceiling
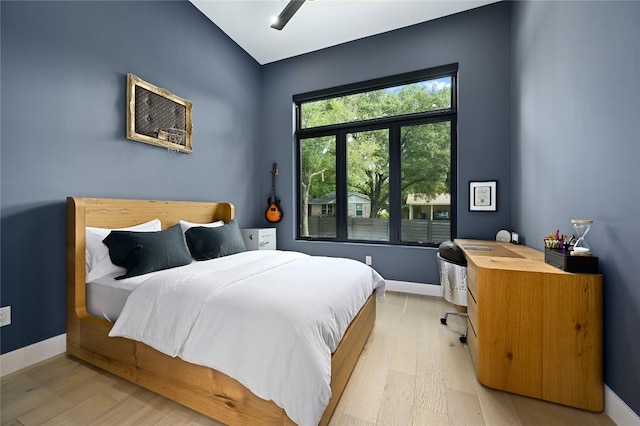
[319,23]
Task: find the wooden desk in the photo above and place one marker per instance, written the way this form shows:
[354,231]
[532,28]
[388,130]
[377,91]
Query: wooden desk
[534,330]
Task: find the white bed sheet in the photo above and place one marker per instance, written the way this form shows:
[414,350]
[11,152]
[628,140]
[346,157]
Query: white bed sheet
[269,319]
[106,296]
[105,301]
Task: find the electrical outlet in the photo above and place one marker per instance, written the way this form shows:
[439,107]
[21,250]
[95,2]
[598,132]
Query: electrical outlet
[5,316]
[367,260]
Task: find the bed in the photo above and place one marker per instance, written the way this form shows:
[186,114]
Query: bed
[199,387]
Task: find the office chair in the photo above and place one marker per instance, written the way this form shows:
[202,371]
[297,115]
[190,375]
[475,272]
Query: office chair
[453,278]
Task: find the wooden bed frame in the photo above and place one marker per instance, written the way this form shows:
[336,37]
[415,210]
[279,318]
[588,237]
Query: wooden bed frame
[203,389]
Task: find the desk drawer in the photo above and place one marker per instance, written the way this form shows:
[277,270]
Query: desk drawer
[472,311]
[472,344]
[472,279]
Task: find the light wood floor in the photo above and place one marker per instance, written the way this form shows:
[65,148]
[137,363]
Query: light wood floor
[413,371]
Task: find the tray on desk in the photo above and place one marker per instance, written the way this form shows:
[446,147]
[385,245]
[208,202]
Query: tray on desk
[565,261]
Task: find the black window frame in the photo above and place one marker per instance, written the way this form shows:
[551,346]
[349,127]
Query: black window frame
[394,124]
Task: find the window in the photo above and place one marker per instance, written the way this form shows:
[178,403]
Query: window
[317,186]
[327,210]
[376,160]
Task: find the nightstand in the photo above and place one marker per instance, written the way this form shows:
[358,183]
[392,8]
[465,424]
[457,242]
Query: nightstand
[259,238]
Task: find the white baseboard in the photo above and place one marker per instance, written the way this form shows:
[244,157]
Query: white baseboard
[618,410]
[415,288]
[32,354]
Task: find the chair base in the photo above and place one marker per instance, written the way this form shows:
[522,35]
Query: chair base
[443,320]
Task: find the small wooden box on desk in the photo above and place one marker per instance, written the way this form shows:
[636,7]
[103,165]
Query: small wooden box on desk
[534,329]
[259,238]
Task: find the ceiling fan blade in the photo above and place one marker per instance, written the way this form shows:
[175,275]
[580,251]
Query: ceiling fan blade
[290,9]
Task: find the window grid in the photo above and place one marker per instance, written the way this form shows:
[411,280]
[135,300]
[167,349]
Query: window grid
[394,126]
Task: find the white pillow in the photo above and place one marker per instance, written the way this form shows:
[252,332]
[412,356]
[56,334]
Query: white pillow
[97,260]
[185,225]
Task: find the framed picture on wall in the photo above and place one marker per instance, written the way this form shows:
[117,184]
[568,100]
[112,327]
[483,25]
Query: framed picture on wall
[157,116]
[483,196]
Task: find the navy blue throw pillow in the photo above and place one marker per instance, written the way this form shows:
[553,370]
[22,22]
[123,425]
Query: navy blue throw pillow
[144,252]
[209,243]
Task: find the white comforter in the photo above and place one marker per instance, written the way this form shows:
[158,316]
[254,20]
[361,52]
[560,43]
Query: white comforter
[270,319]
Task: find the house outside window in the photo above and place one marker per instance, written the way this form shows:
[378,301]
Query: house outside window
[375,160]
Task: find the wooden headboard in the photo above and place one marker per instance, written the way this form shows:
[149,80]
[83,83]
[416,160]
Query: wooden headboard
[120,213]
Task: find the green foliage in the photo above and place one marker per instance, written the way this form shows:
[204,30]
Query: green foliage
[426,158]
[318,169]
[425,148]
[368,167]
[317,173]
[391,102]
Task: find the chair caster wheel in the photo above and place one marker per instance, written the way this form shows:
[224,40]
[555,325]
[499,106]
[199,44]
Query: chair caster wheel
[443,321]
[463,339]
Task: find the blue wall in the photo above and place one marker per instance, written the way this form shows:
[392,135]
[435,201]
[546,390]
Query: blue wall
[576,151]
[479,41]
[548,87]
[64,67]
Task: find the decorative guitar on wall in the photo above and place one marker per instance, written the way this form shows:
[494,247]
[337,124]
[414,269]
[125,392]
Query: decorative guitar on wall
[273,213]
